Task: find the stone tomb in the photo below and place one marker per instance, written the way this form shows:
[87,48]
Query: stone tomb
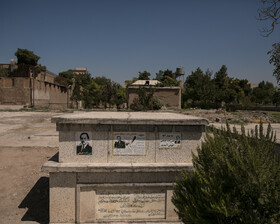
[119,167]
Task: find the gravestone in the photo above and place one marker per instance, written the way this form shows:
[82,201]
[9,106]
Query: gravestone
[119,167]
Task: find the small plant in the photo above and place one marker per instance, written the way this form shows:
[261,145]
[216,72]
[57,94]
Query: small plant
[236,179]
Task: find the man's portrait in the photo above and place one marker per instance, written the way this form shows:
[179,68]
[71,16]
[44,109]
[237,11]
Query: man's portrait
[119,143]
[84,144]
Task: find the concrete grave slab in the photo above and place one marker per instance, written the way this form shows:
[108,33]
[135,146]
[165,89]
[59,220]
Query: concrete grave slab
[128,177]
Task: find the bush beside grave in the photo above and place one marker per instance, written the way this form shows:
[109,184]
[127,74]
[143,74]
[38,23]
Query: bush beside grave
[236,179]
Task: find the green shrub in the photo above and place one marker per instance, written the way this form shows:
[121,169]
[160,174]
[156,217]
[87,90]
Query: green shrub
[145,100]
[236,179]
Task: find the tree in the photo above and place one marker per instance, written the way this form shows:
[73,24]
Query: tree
[81,82]
[91,94]
[221,80]
[199,89]
[27,57]
[275,60]
[120,97]
[276,98]
[236,180]
[167,78]
[68,75]
[144,75]
[269,12]
[263,94]
[146,100]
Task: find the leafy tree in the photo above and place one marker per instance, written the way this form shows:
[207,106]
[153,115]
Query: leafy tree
[80,84]
[61,81]
[91,94]
[144,75]
[120,97]
[236,180]
[263,94]
[68,75]
[28,63]
[275,60]
[27,57]
[167,78]
[269,12]
[276,98]
[199,88]
[221,80]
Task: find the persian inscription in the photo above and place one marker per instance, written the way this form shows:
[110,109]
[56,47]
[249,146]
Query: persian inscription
[170,140]
[129,143]
[130,204]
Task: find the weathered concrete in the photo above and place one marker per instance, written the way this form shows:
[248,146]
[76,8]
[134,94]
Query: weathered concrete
[132,118]
[126,180]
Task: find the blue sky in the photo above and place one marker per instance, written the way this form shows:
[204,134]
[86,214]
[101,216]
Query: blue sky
[119,38]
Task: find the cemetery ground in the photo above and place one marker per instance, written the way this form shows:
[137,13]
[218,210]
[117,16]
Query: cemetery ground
[28,139]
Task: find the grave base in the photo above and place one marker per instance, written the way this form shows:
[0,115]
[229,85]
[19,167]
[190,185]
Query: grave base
[112,193]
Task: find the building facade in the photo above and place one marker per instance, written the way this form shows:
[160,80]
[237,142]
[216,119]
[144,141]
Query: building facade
[169,96]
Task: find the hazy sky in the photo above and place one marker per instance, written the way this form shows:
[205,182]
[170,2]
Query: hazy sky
[119,38]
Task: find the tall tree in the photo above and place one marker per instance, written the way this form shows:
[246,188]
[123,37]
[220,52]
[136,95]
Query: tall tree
[275,60]
[199,89]
[80,85]
[221,80]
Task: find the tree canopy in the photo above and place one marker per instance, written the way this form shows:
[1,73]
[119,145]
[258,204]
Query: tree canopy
[144,75]
[275,60]
[201,90]
[94,92]
[27,57]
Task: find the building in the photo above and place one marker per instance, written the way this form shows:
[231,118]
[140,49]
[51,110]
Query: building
[80,70]
[169,96]
[21,88]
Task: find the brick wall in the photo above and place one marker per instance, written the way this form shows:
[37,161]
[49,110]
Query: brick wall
[19,90]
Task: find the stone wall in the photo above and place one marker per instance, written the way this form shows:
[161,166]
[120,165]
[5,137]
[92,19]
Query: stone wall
[19,90]
[169,96]
[15,91]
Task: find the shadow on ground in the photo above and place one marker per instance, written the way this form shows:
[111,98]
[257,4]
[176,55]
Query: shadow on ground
[37,202]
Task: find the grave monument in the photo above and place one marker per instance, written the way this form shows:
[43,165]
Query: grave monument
[119,167]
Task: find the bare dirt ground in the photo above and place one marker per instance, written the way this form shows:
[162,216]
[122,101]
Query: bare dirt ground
[27,140]
[24,190]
